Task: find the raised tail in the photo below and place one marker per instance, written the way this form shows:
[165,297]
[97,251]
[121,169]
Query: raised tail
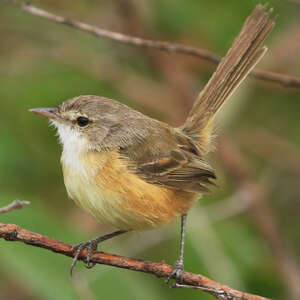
[240,59]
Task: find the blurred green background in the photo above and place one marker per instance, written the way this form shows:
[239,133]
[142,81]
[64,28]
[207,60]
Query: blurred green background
[43,64]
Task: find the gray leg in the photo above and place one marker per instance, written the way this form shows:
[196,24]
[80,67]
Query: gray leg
[183,227]
[179,267]
[91,245]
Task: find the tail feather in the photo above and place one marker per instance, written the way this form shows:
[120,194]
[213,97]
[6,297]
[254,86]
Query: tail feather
[241,58]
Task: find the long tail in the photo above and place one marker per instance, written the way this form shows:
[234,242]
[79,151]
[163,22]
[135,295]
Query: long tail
[240,59]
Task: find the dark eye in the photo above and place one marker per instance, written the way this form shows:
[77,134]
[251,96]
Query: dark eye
[82,121]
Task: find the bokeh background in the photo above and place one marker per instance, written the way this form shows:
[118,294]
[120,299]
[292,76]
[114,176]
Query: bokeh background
[245,234]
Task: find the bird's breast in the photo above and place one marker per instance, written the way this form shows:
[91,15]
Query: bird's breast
[101,184]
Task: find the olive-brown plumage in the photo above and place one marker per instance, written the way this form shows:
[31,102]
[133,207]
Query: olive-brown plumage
[134,172]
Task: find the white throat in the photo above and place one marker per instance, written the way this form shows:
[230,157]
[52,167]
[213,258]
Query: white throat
[74,144]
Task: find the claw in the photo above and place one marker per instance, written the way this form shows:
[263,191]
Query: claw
[91,246]
[177,272]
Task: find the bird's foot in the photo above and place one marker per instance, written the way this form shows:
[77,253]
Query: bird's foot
[91,245]
[177,274]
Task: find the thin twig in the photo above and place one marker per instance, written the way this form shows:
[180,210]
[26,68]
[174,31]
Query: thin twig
[12,232]
[17,204]
[283,79]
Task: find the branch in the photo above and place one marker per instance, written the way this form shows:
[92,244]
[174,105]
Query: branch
[283,79]
[17,204]
[12,232]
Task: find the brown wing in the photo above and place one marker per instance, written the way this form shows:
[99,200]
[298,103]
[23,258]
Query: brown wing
[175,163]
[180,170]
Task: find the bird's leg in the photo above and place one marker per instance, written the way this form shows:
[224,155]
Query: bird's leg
[179,267]
[91,245]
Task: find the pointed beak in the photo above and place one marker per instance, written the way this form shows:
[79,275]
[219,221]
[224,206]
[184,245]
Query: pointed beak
[51,113]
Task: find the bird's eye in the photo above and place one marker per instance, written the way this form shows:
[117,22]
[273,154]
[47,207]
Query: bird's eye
[82,121]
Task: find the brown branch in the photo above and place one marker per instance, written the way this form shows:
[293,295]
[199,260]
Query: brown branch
[12,232]
[283,79]
[17,204]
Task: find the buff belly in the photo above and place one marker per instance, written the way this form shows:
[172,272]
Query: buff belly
[101,184]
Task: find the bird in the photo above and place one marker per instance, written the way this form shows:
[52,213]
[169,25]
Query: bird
[137,173]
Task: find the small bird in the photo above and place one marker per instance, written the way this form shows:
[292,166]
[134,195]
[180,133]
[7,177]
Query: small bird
[136,173]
